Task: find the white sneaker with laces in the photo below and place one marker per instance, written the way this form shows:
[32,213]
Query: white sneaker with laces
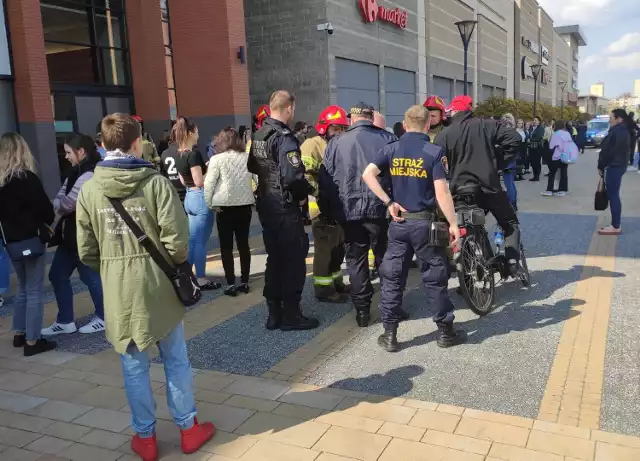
[632,168]
[547,194]
[560,194]
[94,326]
[59,329]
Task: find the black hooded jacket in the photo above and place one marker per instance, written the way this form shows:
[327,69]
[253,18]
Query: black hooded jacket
[469,144]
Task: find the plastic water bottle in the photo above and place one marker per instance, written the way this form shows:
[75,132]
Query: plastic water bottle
[498,237]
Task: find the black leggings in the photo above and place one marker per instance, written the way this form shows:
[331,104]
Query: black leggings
[554,167]
[235,220]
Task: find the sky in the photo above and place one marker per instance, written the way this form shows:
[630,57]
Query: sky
[612,32]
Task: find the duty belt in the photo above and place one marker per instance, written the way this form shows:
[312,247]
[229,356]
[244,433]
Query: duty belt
[424,215]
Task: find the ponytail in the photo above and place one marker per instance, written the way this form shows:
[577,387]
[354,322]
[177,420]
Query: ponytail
[181,131]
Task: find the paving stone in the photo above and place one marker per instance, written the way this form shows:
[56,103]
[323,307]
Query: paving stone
[561,445]
[259,388]
[511,453]
[282,429]
[104,439]
[60,389]
[577,432]
[61,411]
[48,445]
[384,412]
[405,450]
[67,431]
[108,397]
[495,432]
[212,396]
[267,450]
[19,403]
[212,383]
[351,443]
[231,445]
[457,442]
[435,420]
[251,403]
[402,431]
[24,422]
[225,418]
[17,454]
[608,452]
[499,418]
[82,452]
[313,399]
[330,457]
[297,411]
[109,420]
[53,358]
[451,409]
[16,437]
[360,423]
[616,439]
[18,381]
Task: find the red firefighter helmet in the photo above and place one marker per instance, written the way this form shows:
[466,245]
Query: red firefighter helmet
[332,115]
[435,103]
[263,112]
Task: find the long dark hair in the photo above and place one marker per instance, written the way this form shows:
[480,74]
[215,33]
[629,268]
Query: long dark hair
[181,131]
[82,141]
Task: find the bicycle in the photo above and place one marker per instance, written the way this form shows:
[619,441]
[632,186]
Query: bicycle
[477,263]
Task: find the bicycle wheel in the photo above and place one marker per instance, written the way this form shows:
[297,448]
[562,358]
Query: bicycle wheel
[523,273]
[476,279]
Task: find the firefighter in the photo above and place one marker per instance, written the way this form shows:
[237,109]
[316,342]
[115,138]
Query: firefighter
[281,194]
[418,181]
[261,115]
[437,116]
[328,236]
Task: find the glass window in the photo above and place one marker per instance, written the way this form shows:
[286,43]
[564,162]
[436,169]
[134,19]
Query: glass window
[166,33]
[63,24]
[86,42]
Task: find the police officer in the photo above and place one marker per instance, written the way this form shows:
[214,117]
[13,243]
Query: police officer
[282,192]
[418,182]
[344,197]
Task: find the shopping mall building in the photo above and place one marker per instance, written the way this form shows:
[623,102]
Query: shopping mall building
[64,64]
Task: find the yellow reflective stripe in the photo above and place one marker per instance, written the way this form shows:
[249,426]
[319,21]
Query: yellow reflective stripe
[313,205]
[310,162]
[337,275]
[323,281]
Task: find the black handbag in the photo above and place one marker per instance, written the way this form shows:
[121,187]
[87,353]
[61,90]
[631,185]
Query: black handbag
[181,276]
[601,201]
[30,248]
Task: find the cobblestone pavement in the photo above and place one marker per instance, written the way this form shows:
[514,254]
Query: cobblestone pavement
[542,378]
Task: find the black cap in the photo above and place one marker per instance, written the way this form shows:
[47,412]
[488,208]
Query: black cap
[361,108]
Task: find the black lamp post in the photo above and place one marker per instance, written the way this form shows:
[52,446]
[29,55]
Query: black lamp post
[466,29]
[535,70]
[562,84]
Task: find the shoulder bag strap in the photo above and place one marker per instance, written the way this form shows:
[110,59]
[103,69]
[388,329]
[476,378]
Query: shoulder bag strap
[143,239]
[4,238]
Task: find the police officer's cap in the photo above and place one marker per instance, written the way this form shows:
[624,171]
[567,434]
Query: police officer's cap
[361,108]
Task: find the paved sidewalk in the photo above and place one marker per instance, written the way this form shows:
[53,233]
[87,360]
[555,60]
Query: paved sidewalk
[63,406]
[541,379]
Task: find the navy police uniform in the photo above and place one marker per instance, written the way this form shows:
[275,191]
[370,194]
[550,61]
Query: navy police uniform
[344,197]
[275,158]
[413,164]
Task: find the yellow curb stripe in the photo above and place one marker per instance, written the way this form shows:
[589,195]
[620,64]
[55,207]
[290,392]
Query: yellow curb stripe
[573,395]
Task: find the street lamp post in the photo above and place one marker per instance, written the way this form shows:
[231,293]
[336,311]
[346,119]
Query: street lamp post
[466,29]
[562,84]
[535,70]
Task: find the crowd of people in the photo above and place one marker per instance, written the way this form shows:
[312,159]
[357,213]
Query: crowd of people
[374,196]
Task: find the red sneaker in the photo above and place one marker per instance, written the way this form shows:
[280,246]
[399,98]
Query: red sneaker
[147,448]
[192,439]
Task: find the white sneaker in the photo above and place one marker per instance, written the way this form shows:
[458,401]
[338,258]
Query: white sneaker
[94,326]
[638,171]
[1,301]
[560,194]
[547,194]
[631,168]
[59,329]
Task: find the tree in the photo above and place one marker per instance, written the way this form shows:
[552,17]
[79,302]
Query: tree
[497,106]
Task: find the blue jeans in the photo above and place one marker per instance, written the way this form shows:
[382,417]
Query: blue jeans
[65,261]
[137,384]
[613,181]
[201,220]
[510,184]
[28,307]
[5,271]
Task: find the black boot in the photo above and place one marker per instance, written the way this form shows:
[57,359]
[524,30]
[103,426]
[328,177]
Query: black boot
[448,336]
[388,340]
[363,316]
[275,314]
[294,320]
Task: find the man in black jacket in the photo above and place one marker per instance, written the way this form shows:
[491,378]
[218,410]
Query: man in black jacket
[469,144]
[344,197]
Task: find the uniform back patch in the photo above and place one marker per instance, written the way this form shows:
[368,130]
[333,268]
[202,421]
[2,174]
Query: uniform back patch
[294,158]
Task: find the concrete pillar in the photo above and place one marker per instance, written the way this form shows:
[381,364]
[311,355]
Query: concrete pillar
[148,68]
[31,87]
[212,85]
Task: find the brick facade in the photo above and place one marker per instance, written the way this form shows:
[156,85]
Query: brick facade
[148,62]
[210,80]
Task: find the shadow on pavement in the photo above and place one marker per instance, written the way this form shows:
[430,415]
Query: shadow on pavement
[399,379]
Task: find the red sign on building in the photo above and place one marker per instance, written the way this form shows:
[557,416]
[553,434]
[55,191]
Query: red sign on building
[372,12]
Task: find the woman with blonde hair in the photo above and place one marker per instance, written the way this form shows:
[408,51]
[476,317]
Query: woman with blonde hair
[25,216]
